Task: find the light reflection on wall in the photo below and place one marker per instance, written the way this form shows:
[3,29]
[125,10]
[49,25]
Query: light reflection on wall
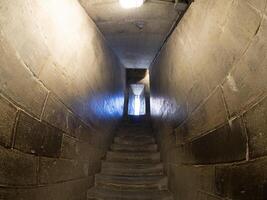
[83,72]
[166,109]
[107,106]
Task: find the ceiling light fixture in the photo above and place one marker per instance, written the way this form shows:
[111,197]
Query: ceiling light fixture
[131,3]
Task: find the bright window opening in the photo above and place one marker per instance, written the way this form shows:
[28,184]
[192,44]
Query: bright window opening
[137,102]
[131,3]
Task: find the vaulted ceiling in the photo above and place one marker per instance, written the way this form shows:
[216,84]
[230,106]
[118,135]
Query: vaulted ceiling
[137,34]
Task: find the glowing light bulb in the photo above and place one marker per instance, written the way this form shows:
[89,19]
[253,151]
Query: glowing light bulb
[131,3]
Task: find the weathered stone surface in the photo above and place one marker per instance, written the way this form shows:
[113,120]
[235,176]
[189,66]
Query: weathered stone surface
[125,147]
[223,35]
[84,75]
[245,181]
[71,190]
[31,47]
[180,134]
[17,168]
[69,149]
[247,82]
[84,133]
[217,44]
[77,128]
[86,151]
[213,197]
[58,170]
[91,181]
[131,182]
[226,144]
[201,196]
[207,117]
[7,121]
[134,157]
[182,177]
[36,137]
[106,192]
[256,124]
[56,113]
[17,82]
[196,94]
[40,56]
[206,196]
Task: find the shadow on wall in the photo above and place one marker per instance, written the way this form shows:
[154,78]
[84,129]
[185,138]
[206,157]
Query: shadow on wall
[209,82]
[61,94]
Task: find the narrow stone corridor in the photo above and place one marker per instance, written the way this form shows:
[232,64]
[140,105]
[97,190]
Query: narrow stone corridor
[133,99]
[132,168]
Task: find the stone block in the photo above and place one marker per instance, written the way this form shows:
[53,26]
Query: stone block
[225,144]
[197,94]
[246,84]
[208,116]
[17,168]
[56,113]
[213,197]
[88,152]
[201,196]
[69,149]
[256,124]
[19,18]
[7,121]
[242,181]
[84,133]
[180,134]
[33,136]
[71,190]
[77,128]
[58,170]
[18,83]
[187,180]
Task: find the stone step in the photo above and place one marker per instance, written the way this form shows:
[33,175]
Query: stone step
[134,140]
[133,133]
[134,148]
[139,194]
[134,136]
[132,182]
[136,125]
[134,157]
[131,169]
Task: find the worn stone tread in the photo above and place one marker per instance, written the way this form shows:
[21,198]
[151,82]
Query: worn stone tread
[131,169]
[137,157]
[139,194]
[134,140]
[132,182]
[134,148]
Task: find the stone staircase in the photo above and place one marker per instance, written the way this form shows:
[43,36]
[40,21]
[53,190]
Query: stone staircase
[132,169]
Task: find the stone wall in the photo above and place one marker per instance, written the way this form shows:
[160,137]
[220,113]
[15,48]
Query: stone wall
[61,93]
[209,89]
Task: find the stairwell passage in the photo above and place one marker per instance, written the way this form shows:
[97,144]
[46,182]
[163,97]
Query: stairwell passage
[132,169]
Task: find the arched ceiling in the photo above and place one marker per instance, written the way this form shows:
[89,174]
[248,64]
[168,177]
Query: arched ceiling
[137,34]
